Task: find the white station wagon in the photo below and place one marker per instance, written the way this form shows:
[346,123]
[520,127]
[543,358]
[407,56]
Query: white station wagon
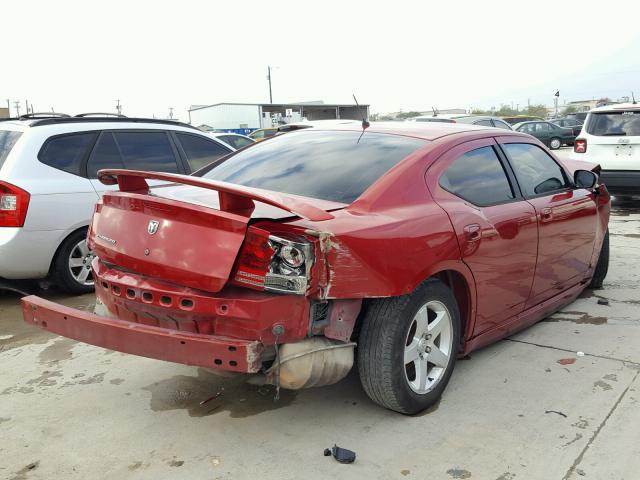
[611,137]
[48,185]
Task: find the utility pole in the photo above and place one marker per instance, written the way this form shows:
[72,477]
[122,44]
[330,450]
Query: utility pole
[269,78]
[555,101]
[17,105]
[9,106]
[118,107]
[171,112]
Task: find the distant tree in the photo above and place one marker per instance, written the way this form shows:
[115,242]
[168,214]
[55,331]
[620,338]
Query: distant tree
[537,111]
[506,111]
[374,117]
[403,115]
[479,111]
[385,118]
[570,109]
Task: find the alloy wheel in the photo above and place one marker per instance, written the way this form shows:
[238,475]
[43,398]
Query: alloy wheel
[80,263]
[428,347]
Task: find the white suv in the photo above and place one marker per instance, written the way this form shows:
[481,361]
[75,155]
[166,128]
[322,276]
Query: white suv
[611,137]
[48,185]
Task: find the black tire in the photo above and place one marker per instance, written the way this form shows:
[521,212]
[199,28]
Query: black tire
[381,347]
[61,273]
[558,143]
[602,267]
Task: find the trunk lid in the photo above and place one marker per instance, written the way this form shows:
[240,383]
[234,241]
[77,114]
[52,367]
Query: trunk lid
[184,235]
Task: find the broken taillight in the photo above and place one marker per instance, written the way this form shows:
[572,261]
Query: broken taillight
[13,205]
[276,263]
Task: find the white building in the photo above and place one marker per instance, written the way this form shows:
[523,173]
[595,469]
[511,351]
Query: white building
[246,117]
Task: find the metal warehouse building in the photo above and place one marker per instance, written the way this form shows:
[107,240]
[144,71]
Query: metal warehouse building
[246,117]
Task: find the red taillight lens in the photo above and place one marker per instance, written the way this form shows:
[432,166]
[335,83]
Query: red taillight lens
[580,145]
[274,262]
[254,259]
[13,205]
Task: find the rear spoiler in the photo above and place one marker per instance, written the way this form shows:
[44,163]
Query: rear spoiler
[233,198]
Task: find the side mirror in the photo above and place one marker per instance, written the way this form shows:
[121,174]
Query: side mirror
[585,179]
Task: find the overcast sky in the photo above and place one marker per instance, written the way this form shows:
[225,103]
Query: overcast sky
[79,56]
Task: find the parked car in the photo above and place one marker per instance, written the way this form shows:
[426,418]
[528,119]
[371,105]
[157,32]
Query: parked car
[386,243]
[579,116]
[571,123]
[611,135]
[521,118]
[484,121]
[233,140]
[290,127]
[430,118]
[551,135]
[49,186]
[263,133]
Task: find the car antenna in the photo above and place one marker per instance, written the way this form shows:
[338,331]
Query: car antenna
[365,122]
[633,98]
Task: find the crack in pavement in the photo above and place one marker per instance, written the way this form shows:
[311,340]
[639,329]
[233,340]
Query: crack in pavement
[626,362]
[595,434]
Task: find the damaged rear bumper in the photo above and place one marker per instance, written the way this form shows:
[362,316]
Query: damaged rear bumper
[210,351]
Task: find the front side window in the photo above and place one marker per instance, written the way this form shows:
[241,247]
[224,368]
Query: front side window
[542,127]
[615,124]
[484,123]
[536,171]
[67,151]
[478,176]
[330,165]
[148,151]
[200,151]
[527,128]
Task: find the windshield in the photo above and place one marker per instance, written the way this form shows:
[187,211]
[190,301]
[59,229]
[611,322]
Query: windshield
[329,165]
[615,124]
[8,139]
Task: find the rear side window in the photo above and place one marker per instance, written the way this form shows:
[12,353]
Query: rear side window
[536,171]
[8,139]
[478,177]
[235,141]
[501,124]
[615,124]
[484,123]
[200,151]
[66,152]
[330,165]
[105,155]
[149,151]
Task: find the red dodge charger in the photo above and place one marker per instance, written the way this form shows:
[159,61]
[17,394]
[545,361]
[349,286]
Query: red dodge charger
[402,245]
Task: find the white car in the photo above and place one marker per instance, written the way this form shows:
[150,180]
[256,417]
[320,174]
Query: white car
[233,140]
[48,185]
[610,136]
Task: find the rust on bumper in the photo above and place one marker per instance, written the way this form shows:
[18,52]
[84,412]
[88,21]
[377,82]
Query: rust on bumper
[210,351]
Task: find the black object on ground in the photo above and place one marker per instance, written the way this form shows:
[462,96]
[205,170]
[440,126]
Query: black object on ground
[342,455]
[603,301]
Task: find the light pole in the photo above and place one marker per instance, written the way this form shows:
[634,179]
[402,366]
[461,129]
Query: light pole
[269,78]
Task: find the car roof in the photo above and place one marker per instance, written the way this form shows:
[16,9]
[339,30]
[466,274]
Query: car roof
[425,130]
[54,125]
[219,134]
[618,107]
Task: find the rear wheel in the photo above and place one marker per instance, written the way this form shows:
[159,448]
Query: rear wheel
[407,347]
[72,265]
[602,267]
[555,143]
